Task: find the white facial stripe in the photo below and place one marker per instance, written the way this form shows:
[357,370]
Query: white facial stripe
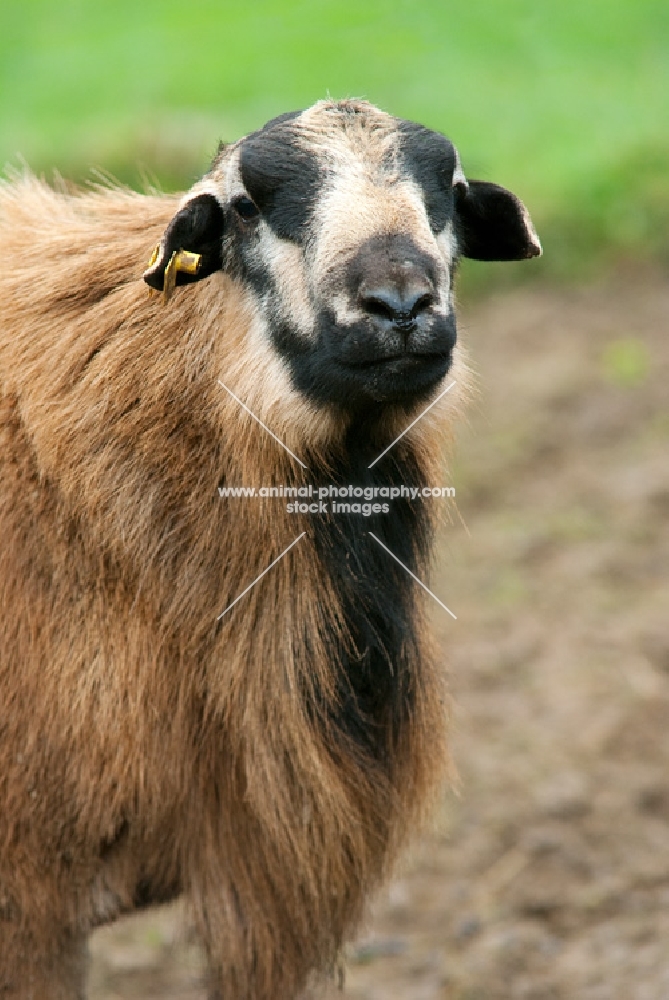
[447,243]
[360,203]
[356,206]
[262,379]
[284,261]
[280,259]
[458,173]
[232,177]
[345,313]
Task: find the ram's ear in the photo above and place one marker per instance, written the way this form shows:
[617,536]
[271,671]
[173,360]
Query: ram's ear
[492,224]
[191,246]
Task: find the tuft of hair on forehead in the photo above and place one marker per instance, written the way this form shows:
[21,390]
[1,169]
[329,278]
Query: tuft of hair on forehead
[330,127]
[350,114]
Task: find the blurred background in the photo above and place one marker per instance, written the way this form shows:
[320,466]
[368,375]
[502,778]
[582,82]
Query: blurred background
[547,874]
[566,102]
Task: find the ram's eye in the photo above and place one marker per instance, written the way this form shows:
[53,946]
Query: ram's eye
[245,208]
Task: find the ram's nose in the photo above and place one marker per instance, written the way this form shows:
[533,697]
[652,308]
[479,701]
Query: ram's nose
[394,282]
[399,302]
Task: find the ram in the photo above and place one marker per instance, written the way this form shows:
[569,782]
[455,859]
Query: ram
[166,728]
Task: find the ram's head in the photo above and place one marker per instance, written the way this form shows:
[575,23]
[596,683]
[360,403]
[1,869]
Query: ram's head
[345,225]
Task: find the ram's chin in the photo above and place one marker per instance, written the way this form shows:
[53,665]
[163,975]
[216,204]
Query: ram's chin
[404,379]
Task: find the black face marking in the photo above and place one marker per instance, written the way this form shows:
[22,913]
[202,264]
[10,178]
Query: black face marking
[282,177]
[334,372]
[430,159]
[383,357]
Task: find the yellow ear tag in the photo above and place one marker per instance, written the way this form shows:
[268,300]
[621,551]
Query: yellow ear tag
[170,277]
[188,262]
[154,255]
[181,260]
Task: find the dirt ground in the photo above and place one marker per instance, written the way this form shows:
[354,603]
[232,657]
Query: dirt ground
[546,877]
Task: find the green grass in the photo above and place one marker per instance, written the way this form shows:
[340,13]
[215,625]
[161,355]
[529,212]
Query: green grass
[565,102]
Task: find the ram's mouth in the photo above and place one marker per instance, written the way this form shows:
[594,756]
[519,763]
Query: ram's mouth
[406,360]
[399,377]
[355,366]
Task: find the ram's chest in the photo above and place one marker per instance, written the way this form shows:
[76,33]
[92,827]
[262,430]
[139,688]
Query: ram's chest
[376,654]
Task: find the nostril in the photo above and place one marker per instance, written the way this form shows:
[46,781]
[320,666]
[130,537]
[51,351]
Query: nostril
[389,304]
[423,302]
[378,304]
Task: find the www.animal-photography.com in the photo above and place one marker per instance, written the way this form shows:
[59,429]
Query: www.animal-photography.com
[334,645]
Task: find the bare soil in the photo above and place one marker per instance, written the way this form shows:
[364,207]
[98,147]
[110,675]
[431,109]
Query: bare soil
[546,875]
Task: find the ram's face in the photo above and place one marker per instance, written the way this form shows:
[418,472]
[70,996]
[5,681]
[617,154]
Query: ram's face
[352,249]
[346,225]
